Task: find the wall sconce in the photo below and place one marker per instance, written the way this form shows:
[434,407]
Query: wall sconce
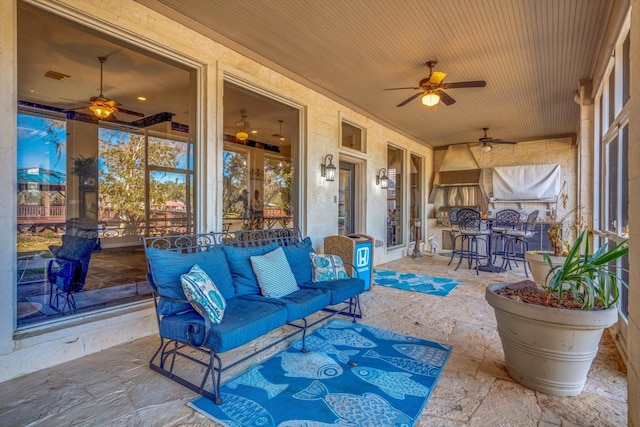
[328,170]
[382,179]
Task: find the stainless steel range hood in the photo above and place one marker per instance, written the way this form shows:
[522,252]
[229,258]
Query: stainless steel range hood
[459,167]
[457,181]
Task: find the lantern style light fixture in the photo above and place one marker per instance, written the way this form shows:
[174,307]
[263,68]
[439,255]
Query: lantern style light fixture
[431,99]
[382,179]
[328,170]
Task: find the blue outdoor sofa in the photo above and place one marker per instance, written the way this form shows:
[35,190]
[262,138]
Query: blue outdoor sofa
[226,259]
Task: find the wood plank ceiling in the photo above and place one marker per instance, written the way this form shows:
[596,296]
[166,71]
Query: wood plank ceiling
[531,53]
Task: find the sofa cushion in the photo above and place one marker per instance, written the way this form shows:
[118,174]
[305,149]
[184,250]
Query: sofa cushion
[274,274]
[198,287]
[243,321]
[167,266]
[327,267]
[239,259]
[299,304]
[298,256]
[340,290]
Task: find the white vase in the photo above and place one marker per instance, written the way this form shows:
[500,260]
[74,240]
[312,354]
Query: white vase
[539,267]
[548,349]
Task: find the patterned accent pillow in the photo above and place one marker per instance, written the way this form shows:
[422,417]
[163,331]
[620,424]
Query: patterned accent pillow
[327,267]
[274,274]
[199,287]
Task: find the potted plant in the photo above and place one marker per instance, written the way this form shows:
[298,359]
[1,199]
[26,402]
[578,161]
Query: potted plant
[550,333]
[558,232]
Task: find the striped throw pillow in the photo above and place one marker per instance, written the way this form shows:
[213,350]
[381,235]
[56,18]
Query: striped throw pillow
[274,274]
[198,286]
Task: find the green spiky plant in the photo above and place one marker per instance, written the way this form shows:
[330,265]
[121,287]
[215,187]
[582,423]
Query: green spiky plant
[585,276]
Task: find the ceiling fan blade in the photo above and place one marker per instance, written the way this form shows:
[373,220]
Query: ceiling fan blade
[411,98]
[437,77]
[456,85]
[446,99]
[499,141]
[131,113]
[399,88]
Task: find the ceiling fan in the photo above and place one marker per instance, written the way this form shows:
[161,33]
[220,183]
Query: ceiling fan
[279,135]
[432,88]
[102,107]
[486,142]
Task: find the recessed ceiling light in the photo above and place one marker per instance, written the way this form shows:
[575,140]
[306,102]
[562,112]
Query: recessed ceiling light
[142,98]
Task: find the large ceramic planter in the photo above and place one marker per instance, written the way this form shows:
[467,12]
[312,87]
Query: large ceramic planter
[539,267]
[548,349]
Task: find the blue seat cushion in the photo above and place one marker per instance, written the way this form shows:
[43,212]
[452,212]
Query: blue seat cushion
[299,304]
[340,290]
[298,256]
[243,321]
[239,260]
[167,266]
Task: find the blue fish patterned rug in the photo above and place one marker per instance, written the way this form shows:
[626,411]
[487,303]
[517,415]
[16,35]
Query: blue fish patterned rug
[353,375]
[431,285]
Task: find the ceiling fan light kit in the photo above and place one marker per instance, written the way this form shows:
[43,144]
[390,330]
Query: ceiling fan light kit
[431,99]
[102,110]
[486,148]
[242,125]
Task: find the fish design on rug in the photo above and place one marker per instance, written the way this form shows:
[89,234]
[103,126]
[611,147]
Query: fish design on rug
[389,335]
[346,337]
[409,365]
[423,353]
[395,384]
[366,410]
[254,378]
[314,365]
[244,412]
[315,343]
[309,423]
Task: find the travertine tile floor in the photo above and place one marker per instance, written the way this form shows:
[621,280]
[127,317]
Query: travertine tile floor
[116,387]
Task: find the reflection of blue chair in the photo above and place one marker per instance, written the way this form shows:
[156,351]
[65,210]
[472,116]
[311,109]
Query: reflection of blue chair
[68,270]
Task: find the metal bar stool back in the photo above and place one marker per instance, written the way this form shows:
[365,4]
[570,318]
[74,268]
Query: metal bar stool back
[516,244]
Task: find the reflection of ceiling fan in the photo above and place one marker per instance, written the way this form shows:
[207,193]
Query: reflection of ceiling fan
[242,126]
[432,88]
[486,142]
[102,107]
[279,135]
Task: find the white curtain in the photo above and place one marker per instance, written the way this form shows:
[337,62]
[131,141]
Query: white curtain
[527,182]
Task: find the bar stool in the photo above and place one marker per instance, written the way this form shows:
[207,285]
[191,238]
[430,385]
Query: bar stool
[504,220]
[471,234]
[516,244]
[455,231]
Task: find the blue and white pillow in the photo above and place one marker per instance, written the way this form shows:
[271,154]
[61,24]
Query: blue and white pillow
[198,286]
[327,267]
[274,274]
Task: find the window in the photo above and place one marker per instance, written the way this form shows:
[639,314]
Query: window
[395,201]
[259,175]
[416,195]
[352,137]
[121,177]
[611,144]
